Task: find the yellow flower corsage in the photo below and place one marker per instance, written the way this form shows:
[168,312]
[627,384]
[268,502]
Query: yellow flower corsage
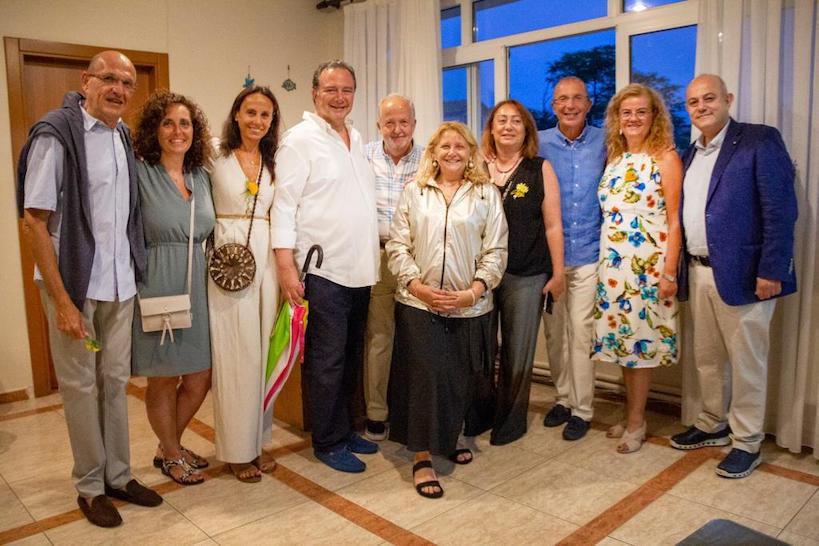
[520,190]
[251,187]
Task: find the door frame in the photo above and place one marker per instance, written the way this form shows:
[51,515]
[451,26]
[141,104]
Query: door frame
[17,50]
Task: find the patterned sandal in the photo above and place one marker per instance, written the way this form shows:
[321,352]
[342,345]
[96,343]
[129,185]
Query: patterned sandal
[195,461]
[189,476]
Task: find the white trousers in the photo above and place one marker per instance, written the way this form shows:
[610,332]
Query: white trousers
[736,337]
[568,341]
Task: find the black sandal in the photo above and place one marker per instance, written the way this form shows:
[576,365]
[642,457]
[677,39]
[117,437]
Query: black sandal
[461,451]
[187,472]
[419,487]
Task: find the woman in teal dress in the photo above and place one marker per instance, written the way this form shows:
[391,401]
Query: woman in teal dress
[635,314]
[173,143]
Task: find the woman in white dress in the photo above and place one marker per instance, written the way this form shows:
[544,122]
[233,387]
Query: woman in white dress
[241,321]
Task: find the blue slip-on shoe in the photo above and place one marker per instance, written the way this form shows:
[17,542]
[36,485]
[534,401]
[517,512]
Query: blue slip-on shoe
[738,464]
[575,428]
[341,459]
[357,444]
[558,415]
[694,438]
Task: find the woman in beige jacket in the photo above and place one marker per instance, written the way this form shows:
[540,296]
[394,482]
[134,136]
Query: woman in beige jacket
[447,250]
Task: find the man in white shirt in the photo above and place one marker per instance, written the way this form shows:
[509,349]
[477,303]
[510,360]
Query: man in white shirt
[394,159]
[325,196]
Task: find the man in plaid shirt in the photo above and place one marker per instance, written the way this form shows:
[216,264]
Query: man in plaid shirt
[394,160]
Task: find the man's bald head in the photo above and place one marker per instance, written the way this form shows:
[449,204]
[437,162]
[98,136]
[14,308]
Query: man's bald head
[708,101]
[108,84]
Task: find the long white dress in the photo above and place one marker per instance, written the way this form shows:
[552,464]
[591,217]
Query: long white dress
[241,322]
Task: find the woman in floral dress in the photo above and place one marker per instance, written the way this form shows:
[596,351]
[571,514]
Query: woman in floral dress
[635,311]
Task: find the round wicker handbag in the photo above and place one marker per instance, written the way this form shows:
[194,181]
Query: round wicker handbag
[232,266]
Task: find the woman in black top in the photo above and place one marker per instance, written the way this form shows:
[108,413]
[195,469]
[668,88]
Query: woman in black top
[531,201]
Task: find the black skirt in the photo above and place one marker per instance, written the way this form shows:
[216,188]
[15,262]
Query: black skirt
[439,379]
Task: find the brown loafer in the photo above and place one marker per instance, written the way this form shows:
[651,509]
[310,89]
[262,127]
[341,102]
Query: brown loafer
[135,493]
[100,511]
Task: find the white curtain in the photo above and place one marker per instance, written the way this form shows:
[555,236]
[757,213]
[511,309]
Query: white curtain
[766,51]
[393,46]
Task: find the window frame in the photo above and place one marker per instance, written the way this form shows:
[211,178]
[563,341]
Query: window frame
[625,25]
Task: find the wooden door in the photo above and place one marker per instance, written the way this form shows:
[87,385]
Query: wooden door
[39,74]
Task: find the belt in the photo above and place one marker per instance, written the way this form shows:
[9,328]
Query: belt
[241,217]
[702,260]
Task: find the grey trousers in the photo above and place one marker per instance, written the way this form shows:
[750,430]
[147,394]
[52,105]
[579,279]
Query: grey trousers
[519,302]
[93,388]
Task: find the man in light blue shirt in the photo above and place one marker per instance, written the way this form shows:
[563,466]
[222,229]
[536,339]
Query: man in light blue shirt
[77,192]
[577,152]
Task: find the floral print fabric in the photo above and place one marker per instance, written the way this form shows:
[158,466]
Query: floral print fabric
[632,326]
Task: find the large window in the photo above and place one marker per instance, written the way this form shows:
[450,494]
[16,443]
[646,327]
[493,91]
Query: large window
[642,5]
[471,109]
[521,48]
[496,18]
[451,27]
[664,60]
[534,69]
[454,87]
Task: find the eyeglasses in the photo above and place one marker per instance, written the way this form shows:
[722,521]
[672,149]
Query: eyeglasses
[564,99]
[642,113]
[110,80]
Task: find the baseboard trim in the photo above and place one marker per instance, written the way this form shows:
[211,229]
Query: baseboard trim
[13,396]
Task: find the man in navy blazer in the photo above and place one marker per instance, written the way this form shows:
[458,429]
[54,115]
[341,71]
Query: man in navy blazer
[738,216]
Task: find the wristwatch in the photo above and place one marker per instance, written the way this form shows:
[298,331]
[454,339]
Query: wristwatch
[669,278]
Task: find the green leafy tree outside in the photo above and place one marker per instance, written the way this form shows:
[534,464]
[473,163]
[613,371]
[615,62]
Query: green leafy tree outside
[596,67]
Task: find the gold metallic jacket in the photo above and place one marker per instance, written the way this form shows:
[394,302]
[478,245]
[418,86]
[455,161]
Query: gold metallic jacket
[448,247]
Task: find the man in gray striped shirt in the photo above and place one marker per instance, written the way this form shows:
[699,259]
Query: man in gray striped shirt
[394,159]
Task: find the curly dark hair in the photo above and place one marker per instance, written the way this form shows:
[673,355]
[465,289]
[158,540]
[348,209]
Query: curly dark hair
[232,138]
[146,146]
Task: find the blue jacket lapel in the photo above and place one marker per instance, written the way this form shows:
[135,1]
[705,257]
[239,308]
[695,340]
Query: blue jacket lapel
[729,146]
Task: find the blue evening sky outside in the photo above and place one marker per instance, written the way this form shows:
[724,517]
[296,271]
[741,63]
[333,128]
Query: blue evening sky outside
[495,18]
[528,64]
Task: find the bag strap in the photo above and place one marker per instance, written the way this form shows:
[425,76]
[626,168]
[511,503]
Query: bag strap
[190,239]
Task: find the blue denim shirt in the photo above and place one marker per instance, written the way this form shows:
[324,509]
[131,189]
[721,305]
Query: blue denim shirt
[578,165]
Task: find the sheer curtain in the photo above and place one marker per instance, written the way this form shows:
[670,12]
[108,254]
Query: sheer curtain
[766,51]
[394,47]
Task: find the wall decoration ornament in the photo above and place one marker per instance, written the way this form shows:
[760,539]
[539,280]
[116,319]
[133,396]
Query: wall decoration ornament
[288,84]
[248,80]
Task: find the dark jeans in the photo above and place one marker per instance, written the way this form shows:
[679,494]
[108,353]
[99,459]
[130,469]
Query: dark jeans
[333,353]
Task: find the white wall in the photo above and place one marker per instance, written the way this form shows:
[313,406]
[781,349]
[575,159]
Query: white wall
[210,44]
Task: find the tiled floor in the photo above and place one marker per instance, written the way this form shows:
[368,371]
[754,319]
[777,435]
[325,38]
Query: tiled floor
[538,490]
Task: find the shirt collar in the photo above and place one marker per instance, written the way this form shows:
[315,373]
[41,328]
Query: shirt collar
[89,121]
[404,157]
[567,140]
[716,142]
[322,123]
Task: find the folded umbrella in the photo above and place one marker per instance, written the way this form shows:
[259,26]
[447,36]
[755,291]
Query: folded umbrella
[287,340]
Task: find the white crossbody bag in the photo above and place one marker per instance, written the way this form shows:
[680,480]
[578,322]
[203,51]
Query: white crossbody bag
[168,313]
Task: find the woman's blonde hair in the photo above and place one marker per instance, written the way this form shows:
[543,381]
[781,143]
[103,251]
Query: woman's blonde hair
[475,171]
[661,134]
